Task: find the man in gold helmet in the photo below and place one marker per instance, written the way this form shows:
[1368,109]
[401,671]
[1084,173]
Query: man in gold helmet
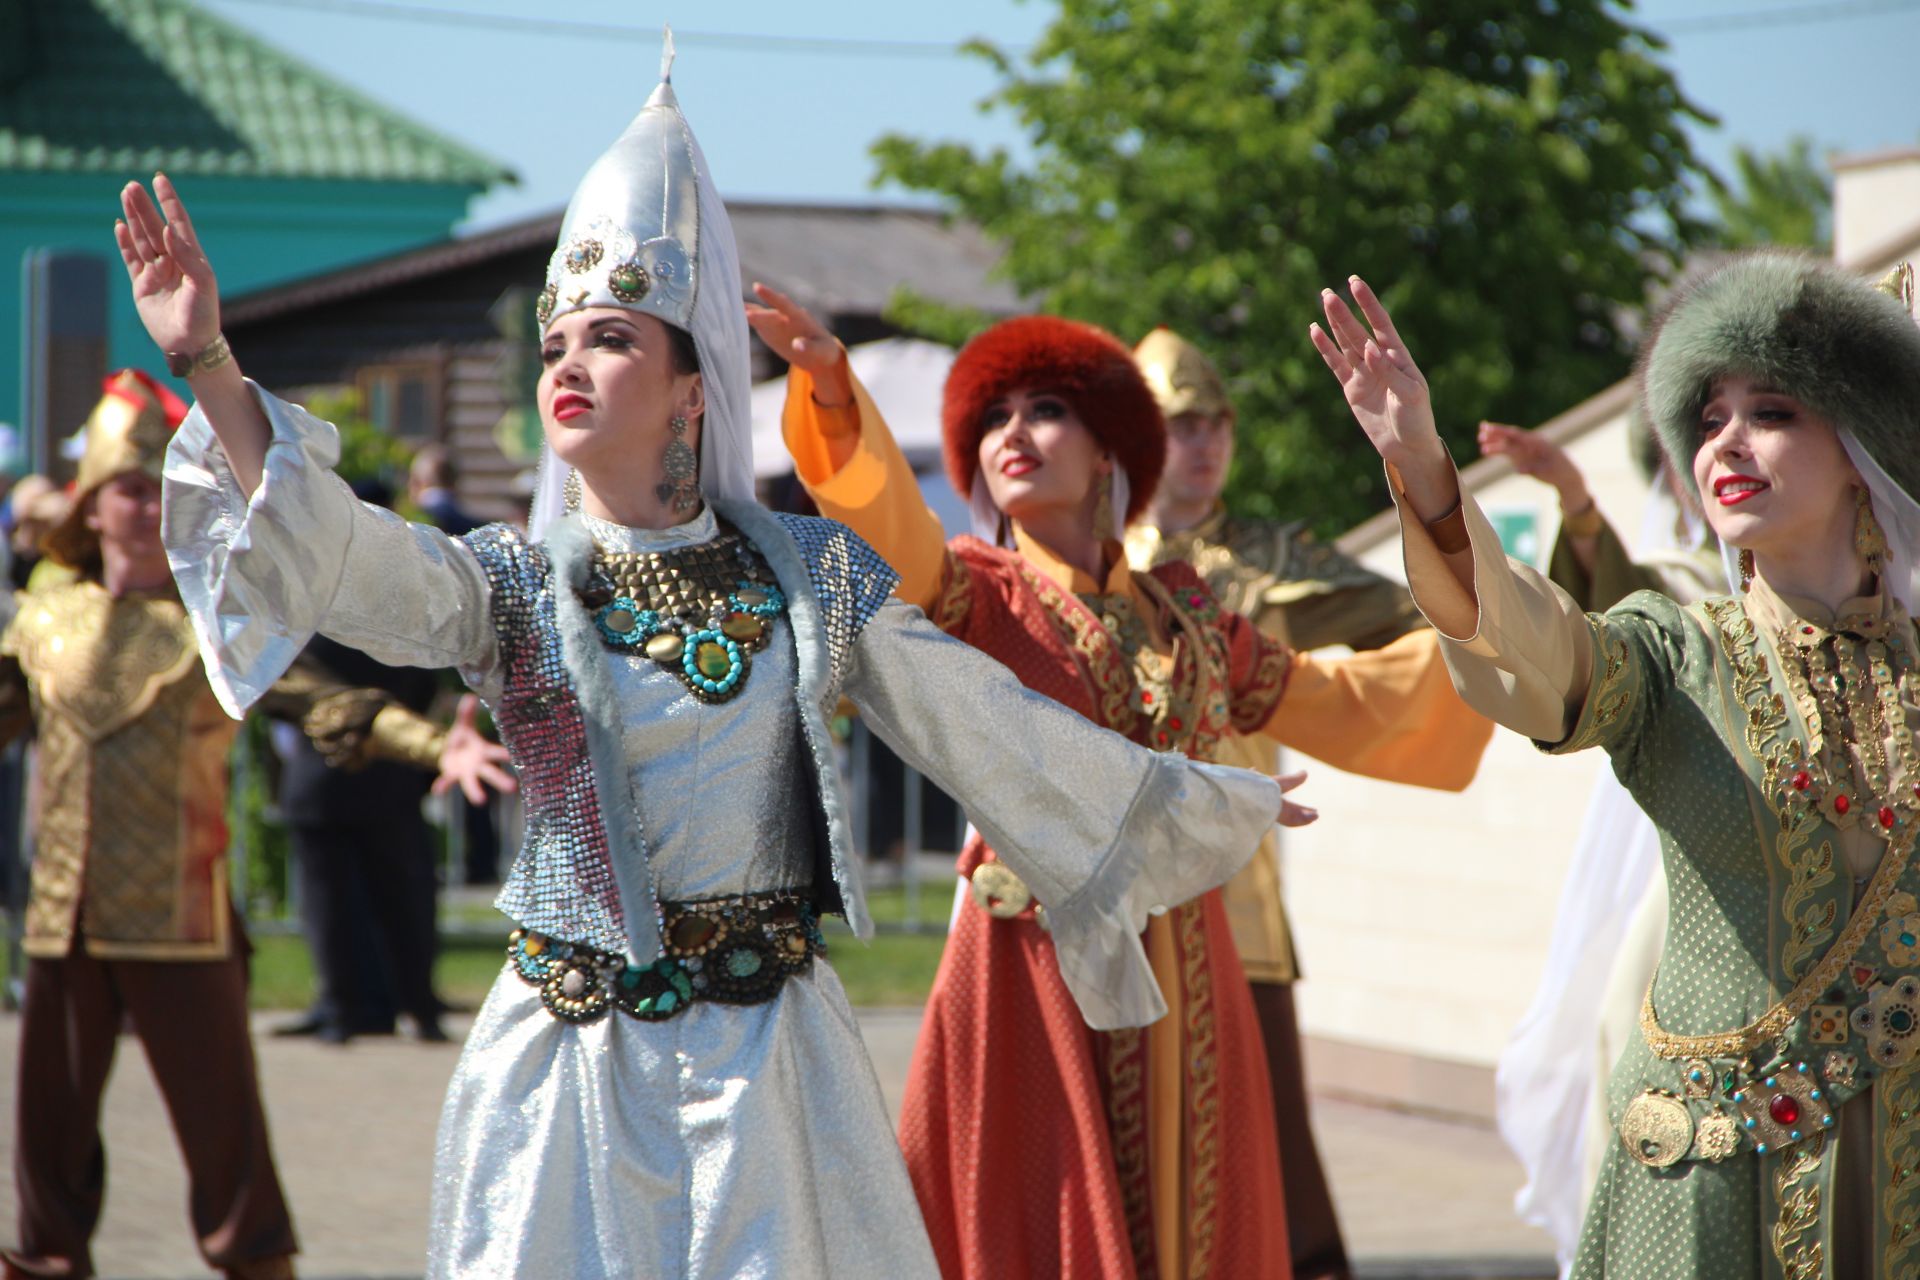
[1308,595]
[128,917]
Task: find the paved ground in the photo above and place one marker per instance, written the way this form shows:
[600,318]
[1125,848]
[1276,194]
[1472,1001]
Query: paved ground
[353,1129]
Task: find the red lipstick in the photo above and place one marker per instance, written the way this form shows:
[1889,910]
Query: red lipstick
[1731,491]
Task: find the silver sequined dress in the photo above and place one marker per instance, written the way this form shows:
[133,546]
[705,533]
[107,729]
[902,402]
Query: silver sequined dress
[726,1141]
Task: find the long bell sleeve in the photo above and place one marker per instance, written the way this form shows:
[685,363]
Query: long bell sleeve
[1102,830]
[1389,713]
[1522,651]
[261,576]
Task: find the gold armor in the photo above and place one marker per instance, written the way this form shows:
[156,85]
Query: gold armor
[132,780]
[131,793]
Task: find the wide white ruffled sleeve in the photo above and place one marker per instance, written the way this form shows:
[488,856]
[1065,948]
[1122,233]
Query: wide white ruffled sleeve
[1101,829]
[260,577]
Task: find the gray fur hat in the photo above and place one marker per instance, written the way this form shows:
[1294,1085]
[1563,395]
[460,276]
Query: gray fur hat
[1846,350]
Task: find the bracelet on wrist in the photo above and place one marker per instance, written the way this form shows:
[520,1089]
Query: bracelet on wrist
[1584,523]
[183,364]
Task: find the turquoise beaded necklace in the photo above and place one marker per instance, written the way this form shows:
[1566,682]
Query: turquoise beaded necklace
[700,612]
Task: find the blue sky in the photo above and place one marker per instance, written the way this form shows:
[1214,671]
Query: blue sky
[789,125]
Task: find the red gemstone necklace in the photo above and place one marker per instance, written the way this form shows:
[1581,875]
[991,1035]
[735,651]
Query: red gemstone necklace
[1853,688]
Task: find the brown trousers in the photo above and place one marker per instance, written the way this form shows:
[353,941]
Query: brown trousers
[1312,1228]
[192,1018]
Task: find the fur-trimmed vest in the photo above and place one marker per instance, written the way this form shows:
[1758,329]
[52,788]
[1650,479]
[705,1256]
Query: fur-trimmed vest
[582,873]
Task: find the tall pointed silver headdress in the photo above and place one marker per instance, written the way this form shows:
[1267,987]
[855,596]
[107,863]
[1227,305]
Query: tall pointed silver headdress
[646,231]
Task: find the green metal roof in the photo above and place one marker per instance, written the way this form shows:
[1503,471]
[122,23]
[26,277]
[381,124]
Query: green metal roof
[137,85]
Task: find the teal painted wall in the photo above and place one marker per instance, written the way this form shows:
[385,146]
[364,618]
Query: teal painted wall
[257,231]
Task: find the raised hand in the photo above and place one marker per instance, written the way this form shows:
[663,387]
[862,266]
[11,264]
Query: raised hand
[1291,814]
[1532,454]
[1388,395]
[174,289]
[471,761]
[791,332]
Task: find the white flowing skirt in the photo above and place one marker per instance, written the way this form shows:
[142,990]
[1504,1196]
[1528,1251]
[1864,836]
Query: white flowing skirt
[728,1142]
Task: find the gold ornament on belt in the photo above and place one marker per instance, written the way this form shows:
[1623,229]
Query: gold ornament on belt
[1657,1129]
[999,891]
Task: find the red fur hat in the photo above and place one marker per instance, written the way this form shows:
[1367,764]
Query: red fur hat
[1087,366]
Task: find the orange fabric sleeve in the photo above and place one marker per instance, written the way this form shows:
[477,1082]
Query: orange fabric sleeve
[856,474]
[1386,713]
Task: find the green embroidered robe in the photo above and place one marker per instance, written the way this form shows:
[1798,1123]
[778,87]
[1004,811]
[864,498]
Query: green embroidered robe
[1694,708]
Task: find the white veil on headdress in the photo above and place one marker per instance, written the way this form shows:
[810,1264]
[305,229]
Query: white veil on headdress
[1896,509]
[646,231]
[1898,513]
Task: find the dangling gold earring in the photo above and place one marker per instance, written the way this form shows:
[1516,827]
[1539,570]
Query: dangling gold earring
[678,490]
[1746,570]
[1869,539]
[1103,526]
[570,491]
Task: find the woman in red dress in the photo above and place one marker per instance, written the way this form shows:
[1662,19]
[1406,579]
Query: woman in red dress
[1093,1116]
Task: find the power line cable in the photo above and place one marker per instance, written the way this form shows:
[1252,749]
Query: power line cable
[398,10]
[1790,15]
[395,10]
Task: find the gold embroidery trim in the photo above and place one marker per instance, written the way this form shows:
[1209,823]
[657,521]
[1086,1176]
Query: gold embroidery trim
[1608,701]
[1799,1212]
[956,596]
[1203,1088]
[1126,1121]
[1765,717]
[1200,670]
[1898,1092]
[1083,632]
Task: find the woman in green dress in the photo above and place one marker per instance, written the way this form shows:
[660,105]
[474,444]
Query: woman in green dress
[1769,1116]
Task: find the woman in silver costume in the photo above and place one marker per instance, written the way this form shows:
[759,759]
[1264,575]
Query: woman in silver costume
[666,1078]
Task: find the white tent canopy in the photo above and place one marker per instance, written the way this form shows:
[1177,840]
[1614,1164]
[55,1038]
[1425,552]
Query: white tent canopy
[903,375]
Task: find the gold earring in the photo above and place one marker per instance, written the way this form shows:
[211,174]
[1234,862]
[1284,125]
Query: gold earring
[570,491]
[1103,524]
[681,467]
[1746,570]
[1869,539]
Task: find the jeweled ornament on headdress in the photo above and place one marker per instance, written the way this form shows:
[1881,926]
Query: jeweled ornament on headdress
[631,235]
[645,231]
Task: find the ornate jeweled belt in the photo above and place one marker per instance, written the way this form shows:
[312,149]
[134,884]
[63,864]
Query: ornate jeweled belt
[728,950]
[700,612]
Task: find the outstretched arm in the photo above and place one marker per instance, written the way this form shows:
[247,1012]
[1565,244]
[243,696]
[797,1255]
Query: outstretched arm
[178,299]
[267,545]
[843,452]
[1521,651]
[353,726]
[1101,829]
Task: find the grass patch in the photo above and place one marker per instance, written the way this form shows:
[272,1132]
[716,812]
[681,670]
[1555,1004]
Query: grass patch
[894,969]
[897,968]
[283,971]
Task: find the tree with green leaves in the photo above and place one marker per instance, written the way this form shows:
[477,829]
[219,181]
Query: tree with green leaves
[1785,199]
[1509,177]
